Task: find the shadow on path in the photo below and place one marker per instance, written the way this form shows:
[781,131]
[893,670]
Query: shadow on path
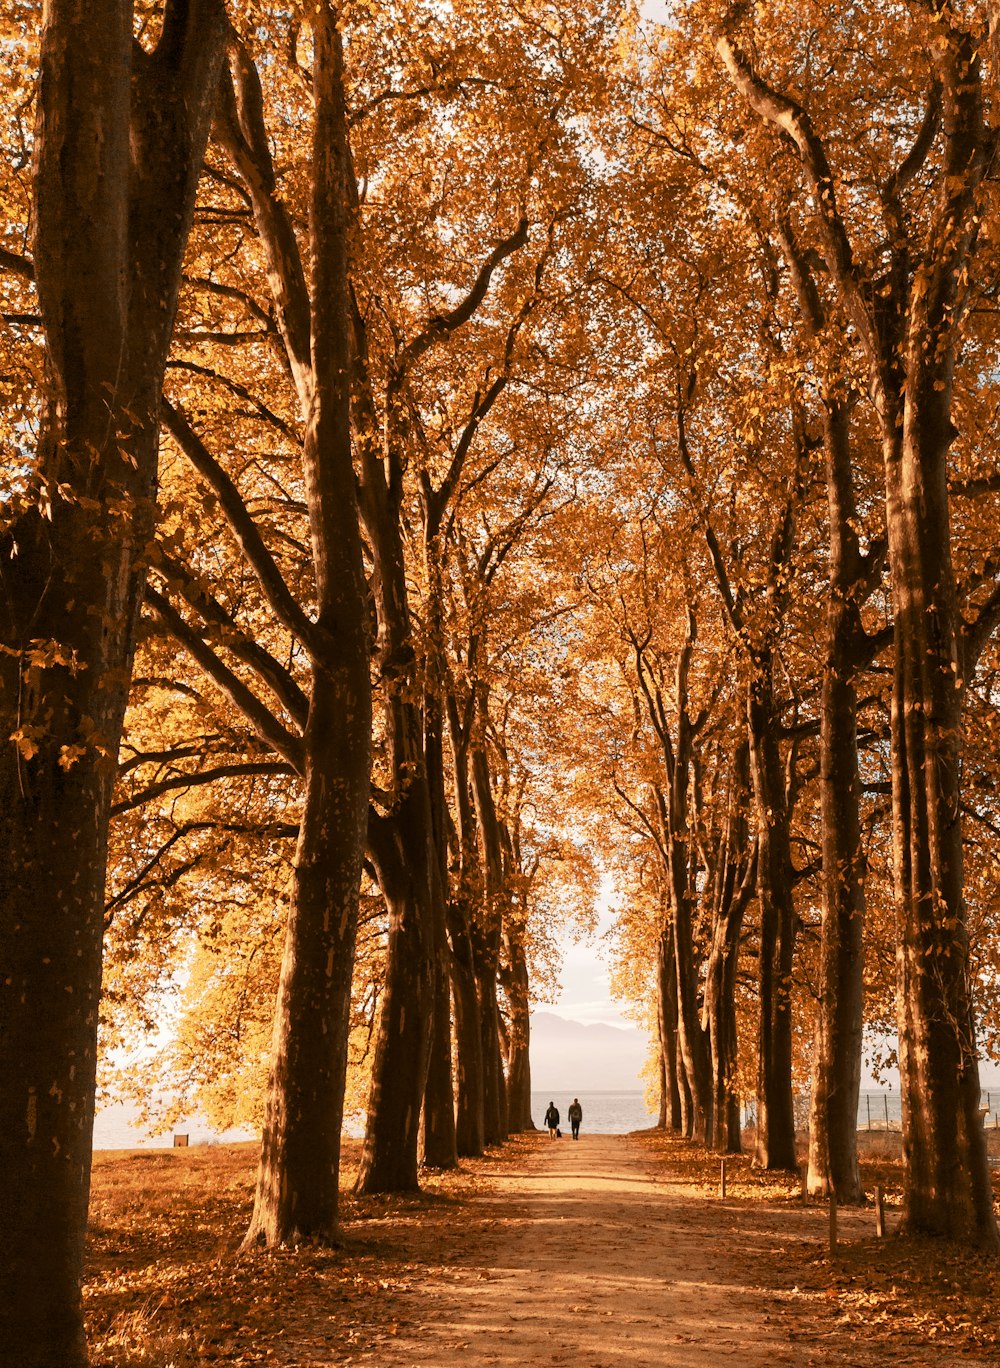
[582,1254]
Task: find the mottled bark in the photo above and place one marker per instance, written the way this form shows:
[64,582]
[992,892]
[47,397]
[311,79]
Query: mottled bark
[666,1010]
[735,879]
[836,1067]
[111,223]
[948,1190]
[466,891]
[399,849]
[486,933]
[438,1143]
[775,1143]
[519,1064]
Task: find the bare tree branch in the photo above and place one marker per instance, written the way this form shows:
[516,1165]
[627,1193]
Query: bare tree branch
[244,529]
[260,717]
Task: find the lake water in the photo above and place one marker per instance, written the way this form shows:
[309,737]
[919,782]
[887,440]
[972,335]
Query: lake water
[117,1127]
[612,1112]
[609,1113]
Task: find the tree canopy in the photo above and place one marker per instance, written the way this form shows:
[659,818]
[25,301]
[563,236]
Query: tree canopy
[455,455]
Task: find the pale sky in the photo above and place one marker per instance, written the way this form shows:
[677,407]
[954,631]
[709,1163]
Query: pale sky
[584,975]
[586,997]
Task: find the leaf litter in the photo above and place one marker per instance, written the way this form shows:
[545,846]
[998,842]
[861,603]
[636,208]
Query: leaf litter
[416,1278]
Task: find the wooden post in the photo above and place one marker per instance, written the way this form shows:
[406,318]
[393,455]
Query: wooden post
[722,1177]
[833,1224]
[879,1212]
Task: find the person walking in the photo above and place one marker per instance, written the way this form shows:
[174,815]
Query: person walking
[575,1116]
[552,1120]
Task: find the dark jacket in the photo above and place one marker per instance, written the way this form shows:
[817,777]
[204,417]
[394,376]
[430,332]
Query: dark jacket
[551,1117]
[575,1113]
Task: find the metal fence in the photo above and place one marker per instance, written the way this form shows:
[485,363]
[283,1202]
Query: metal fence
[878,1110]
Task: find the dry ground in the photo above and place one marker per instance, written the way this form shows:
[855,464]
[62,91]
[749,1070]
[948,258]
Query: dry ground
[617,1250]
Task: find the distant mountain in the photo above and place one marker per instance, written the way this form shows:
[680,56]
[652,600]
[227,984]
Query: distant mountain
[575,1057]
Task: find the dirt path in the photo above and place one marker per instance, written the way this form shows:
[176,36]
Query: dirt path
[616,1252]
[582,1253]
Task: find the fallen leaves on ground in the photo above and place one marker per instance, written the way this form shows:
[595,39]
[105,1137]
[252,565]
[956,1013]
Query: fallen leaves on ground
[167,1286]
[909,1291]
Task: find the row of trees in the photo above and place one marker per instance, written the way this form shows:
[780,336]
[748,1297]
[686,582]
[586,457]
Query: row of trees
[473,427]
[363,404]
[803,590]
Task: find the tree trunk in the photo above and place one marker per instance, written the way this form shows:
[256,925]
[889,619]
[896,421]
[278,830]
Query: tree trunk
[468,1049]
[519,1070]
[683,1090]
[676,733]
[720,1003]
[494,1083]
[755,621]
[464,895]
[948,1190]
[298,1177]
[403,849]
[399,850]
[487,930]
[735,885]
[404,852]
[54,852]
[661,1112]
[666,1003]
[775,1145]
[438,1148]
[110,233]
[438,1135]
[691,1040]
[836,1069]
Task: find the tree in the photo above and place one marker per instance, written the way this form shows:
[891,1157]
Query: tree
[907,314]
[119,142]
[321,728]
[853,574]
[402,839]
[298,1179]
